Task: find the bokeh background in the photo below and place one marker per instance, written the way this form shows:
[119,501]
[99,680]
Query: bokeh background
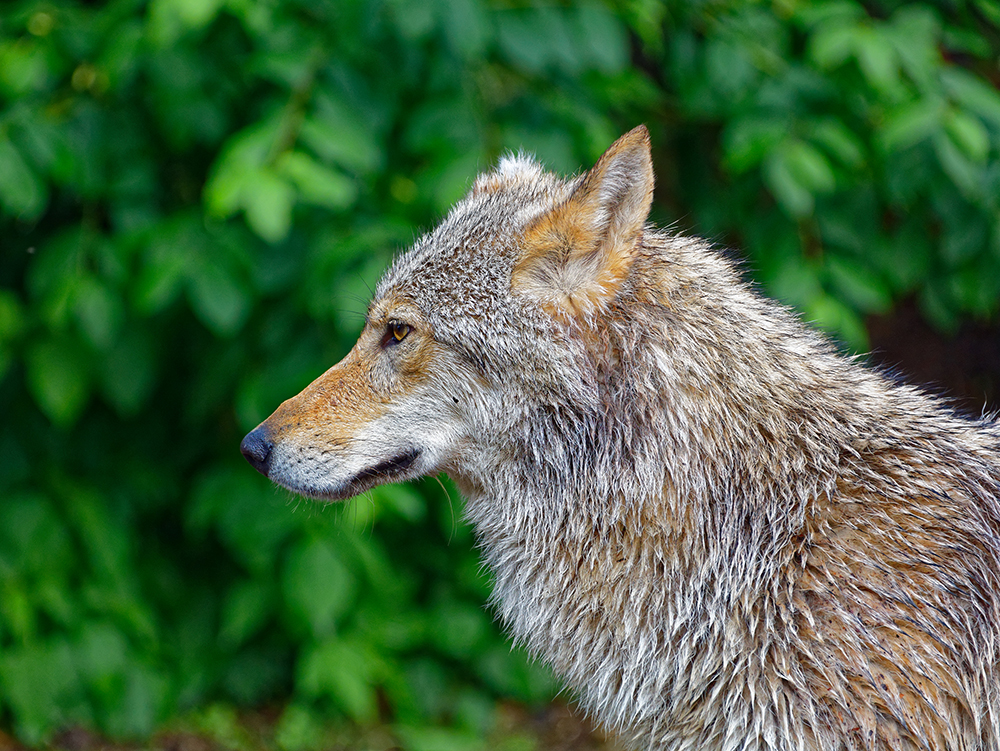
[196,197]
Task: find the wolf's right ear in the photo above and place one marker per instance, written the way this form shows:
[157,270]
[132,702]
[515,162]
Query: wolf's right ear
[576,256]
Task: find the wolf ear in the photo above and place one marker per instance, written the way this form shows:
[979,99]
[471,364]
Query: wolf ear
[576,256]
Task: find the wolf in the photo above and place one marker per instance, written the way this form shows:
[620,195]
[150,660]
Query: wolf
[719,530]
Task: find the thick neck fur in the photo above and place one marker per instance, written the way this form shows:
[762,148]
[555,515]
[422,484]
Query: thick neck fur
[657,540]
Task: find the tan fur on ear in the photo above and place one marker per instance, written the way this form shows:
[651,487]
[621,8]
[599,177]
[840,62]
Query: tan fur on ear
[577,255]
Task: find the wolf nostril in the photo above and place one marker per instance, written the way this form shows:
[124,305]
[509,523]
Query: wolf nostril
[256,447]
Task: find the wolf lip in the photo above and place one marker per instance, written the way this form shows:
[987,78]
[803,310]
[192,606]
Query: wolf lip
[385,471]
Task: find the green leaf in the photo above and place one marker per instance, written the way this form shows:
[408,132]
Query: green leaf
[839,141]
[646,18]
[966,175]
[505,670]
[317,184]
[809,167]
[914,35]
[796,171]
[794,281]
[168,19]
[438,739]
[107,549]
[299,729]
[287,67]
[990,9]
[59,379]
[99,312]
[23,67]
[341,671]
[450,182]
[858,285]
[337,135]
[13,320]
[42,141]
[219,299]
[972,92]
[128,371]
[906,257]
[241,506]
[522,41]
[55,601]
[195,13]
[223,726]
[246,607]
[731,71]
[977,292]
[22,194]
[829,13]
[911,123]
[317,586]
[938,307]
[965,239]
[161,278]
[747,141]
[142,702]
[459,629]
[255,673]
[962,42]
[403,501]
[835,317]
[877,59]
[793,197]
[832,44]
[552,23]
[968,134]
[414,20]
[36,537]
[604,39]
[18,611]
[267,200]
[466,26]
[101,654]
[239,166]
[37,683]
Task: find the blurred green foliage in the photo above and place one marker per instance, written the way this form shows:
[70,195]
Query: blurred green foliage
[195,198]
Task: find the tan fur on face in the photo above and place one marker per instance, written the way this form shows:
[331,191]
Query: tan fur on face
[365,420]
[358,390]
[331,409]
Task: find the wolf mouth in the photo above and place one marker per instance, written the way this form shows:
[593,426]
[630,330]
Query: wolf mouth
[385,471]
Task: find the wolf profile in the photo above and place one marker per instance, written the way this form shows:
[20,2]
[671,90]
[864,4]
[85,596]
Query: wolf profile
[721,532]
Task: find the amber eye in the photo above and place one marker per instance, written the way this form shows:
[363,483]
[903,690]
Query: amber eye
[395,332]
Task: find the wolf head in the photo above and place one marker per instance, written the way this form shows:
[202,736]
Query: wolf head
[498,311]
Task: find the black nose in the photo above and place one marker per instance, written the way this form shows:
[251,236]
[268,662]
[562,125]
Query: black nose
[256,447]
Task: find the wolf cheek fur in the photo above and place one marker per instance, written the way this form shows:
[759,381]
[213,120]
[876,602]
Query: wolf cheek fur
[721,533]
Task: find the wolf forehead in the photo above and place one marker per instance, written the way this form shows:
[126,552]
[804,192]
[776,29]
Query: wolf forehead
[462,268]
